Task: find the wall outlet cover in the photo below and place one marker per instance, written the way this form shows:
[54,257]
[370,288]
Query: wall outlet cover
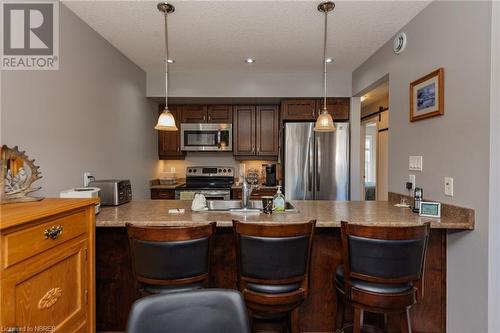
[411,179]
[448,186]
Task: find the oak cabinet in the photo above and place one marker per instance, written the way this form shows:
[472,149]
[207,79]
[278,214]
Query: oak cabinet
[255,131]
[162,194]
[309,109]
[47,270]
[169,143]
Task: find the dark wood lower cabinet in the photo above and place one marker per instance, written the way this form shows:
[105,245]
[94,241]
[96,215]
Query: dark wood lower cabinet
[162,194]
[256,194]
[116,291]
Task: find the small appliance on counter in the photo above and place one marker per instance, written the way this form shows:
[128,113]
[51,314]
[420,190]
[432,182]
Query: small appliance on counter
[114,192]
[82,193]
[417,199]
[270,174]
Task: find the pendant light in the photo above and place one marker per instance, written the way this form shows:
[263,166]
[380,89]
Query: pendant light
[166,121]
[324,123]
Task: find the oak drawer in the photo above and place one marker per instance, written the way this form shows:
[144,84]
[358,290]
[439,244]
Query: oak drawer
[22,244]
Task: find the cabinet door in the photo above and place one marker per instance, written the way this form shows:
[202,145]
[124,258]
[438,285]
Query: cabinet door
[222,114]
[48,292]
[267,130]
[337,107]
[298,109]
[162,194]
[169,143]
[194,113]
[244,130]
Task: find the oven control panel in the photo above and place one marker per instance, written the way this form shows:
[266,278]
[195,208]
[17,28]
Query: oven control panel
[201,171]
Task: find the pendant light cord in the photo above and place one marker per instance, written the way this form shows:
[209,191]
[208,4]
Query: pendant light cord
[166,61]
[324,61]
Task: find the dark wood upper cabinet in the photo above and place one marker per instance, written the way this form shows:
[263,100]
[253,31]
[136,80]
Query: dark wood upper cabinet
[243,130]
[194,113]
[267,130]
[220,114]
[338,107]
[169,143]
[308,109]
[298,109]
[255,131]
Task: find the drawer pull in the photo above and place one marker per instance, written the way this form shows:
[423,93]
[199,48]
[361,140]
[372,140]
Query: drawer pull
[53,232]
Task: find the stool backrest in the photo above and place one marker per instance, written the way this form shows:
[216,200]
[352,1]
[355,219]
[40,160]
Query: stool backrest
[384,254]
[273,253]
[164,255]
[201,311]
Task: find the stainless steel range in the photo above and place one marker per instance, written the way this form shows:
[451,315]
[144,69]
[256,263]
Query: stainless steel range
[213,182]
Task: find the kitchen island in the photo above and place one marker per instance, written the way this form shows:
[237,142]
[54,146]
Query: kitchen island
[115,281]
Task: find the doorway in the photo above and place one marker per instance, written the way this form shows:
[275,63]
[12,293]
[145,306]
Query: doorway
[375,142]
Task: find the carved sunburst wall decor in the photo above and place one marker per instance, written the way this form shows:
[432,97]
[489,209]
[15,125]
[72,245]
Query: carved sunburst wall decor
[17,176]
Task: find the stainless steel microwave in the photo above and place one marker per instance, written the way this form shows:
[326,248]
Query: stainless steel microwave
[206,137]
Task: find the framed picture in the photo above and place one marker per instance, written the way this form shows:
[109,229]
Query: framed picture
[427,96]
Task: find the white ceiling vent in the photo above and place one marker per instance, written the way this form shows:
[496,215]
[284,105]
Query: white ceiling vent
[399,44]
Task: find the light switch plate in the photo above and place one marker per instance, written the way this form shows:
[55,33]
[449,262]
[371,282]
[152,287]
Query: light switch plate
[415,163]
[448,186]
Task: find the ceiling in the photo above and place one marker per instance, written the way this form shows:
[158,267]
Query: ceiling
[376,94]
[282,36]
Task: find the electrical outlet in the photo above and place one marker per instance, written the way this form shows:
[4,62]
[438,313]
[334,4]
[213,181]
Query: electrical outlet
[415,163]
[87,178]
[411,179]
[448,186]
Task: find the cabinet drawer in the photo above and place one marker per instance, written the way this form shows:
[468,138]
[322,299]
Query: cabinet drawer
[165,194]
[22,244]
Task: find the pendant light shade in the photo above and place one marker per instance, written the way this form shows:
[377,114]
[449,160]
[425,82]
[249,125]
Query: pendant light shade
[324,123]
[166,120]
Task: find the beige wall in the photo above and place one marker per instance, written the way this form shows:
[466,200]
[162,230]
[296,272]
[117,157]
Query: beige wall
[456,36]
[90,115]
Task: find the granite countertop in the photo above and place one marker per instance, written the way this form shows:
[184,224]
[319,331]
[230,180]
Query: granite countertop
[260,187]
[327,214]
[155,184]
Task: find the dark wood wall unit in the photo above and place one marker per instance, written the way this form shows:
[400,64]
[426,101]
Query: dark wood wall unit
[309,109]
[194,113]
[220,114]
[256,194]
[169,143]
[243,130]
[255,132]
[162,194]
[116,291]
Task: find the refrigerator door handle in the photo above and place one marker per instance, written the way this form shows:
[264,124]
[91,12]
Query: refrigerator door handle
[318,163]
[310,167]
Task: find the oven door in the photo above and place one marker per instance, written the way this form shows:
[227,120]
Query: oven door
[188,194]
[206,137]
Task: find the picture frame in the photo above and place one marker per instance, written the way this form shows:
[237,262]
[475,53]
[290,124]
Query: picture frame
[427,96]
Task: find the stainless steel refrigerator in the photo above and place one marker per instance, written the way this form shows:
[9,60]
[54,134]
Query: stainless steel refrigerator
[316,164]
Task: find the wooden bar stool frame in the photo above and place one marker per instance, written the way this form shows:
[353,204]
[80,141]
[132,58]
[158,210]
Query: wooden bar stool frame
[261,303]
[173,234]
[363,300]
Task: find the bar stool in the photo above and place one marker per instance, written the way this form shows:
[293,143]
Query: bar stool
[382,271]
[273,267]
[200,311]
[169,259]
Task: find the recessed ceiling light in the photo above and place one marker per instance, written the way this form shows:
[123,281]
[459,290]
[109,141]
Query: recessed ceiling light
[170,61]
[249,61]
[329,60]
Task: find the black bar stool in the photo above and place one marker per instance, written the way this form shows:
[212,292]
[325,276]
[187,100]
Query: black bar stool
[382,271]
[169,259]
[200,311]
[273,267]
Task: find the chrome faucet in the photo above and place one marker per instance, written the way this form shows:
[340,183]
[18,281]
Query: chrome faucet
[246,192]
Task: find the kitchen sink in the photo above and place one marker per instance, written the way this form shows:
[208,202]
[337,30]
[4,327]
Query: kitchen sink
[235,206]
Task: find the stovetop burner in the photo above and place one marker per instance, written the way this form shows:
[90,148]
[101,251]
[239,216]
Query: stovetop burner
[209,177]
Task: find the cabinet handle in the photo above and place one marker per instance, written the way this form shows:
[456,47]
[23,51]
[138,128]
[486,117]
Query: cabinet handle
[209,118]
[53,232]
[204,117]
